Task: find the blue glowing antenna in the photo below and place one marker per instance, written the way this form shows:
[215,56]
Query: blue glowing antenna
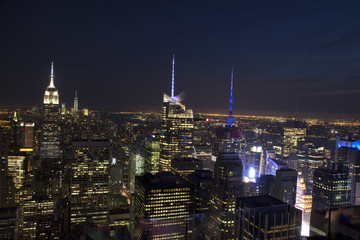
[173,78]
[230,121]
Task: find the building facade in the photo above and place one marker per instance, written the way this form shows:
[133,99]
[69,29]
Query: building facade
[226,188]
[264,217]
[89,185]
[163,207]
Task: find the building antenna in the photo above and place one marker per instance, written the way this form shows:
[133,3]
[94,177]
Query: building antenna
[173,78]
[52,76]
[230,120]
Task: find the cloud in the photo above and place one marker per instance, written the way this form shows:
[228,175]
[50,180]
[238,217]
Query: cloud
[350,39]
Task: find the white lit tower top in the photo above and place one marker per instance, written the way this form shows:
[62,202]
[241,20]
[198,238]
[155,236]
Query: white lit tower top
[172,104]
[172,98]
[51,94]
[76,102]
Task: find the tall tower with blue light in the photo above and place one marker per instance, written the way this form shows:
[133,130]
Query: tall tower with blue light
[228,136]
[230,120]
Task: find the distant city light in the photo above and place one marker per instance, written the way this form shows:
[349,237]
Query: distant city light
[256,149]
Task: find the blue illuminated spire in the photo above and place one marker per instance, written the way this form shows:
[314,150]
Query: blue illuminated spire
[230,120]
[173,78]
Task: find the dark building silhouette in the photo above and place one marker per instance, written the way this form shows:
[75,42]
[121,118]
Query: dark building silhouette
[265,217]
[225,190]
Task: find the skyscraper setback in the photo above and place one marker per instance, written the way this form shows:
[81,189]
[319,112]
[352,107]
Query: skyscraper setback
[176,139]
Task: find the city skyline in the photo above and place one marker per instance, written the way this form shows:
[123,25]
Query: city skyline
[288,57]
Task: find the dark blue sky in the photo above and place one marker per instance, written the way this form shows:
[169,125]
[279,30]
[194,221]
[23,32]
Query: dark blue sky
[287,56]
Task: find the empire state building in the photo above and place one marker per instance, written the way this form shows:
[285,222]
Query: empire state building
[50,143]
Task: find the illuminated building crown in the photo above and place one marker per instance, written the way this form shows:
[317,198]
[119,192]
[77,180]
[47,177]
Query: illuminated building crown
[51,94]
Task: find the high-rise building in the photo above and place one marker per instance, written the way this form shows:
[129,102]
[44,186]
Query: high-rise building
[304,203]
[254,160]
[226,188]
[332,187]
[250,189]
[228,135]
[202,133]
[16,171]
[152,155]
[294,131]
[348,152]
[204,153]
[4,151]
[272,165]
[8,223]
[28,135]
[285,185]
[331,192]
[36,210]
[201,180]
[76,103]
[176,139]
[310,158]
[185,166]
[163,207]
[50,140]
[89,185]
[266,184]
[264,217]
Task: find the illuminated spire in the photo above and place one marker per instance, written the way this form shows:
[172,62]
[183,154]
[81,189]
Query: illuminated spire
[230,120]
[52,76]
[76,102]
[173,78]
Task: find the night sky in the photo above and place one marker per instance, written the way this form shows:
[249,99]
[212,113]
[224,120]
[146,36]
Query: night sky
[288,56]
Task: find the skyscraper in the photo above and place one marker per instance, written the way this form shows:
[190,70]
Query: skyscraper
[185,166]
[264,217]
[4,183]
[294,131]
[76,102]
[347,152]
[50,141]
[228,135]
[285,185]
[201,180]
[89,185]
[225,190]
[152,155]
[163,207]
[332,187]
[176,139]
[8,223]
